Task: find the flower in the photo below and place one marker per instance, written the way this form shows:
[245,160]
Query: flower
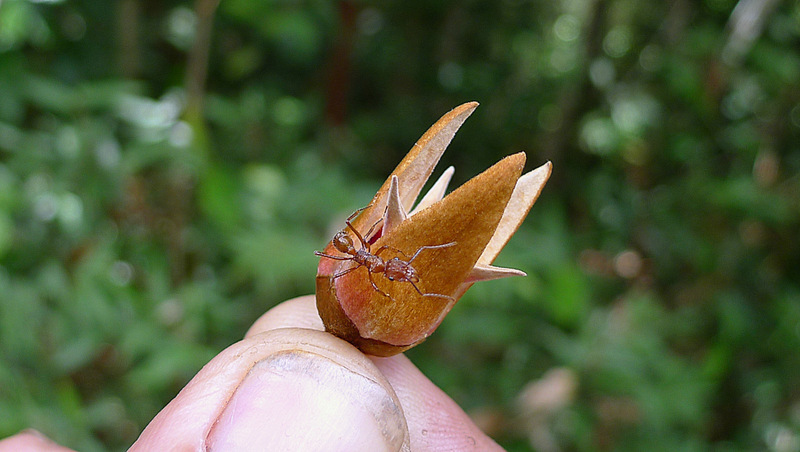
[415,264]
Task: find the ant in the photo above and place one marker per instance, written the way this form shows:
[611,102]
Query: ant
[394,269]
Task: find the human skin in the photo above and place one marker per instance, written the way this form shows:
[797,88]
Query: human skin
[290,386]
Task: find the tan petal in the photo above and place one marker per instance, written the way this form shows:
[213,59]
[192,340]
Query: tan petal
[437,191]
[417,166]
[395,213]
[526,192]
[483,272]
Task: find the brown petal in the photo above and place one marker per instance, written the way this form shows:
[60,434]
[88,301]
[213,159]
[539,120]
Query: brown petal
[386,325]
[526,192]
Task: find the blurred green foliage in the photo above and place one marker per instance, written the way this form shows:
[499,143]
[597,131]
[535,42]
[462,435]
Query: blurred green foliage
[138,239]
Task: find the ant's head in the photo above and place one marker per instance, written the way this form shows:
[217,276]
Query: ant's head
[343,243]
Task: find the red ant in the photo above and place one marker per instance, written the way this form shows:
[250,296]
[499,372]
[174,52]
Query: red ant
[395,269]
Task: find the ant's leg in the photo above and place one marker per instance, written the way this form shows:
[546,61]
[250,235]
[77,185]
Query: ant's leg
[350,225]
[429,247]
[364,243]
[369,233]
[338,258]
[375,286]
[372,228]
[448,297]
[356,213]
[344,272]
[387,247]
[361,238]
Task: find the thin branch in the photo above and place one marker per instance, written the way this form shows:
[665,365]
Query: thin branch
[128,32]
[197,64]
[339,65]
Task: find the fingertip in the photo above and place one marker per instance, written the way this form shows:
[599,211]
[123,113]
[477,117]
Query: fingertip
[286,386]
[30,441]
[300,312]
[302,398]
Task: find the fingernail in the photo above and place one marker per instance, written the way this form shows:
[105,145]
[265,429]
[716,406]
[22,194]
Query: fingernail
[298,400]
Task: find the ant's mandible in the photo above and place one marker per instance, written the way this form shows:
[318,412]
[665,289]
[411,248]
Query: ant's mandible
[395,269]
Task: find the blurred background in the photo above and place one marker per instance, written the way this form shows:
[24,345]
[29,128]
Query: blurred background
[167,169]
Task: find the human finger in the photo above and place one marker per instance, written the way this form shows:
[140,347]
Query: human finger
[283,389]
[434,420]
[30,441]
